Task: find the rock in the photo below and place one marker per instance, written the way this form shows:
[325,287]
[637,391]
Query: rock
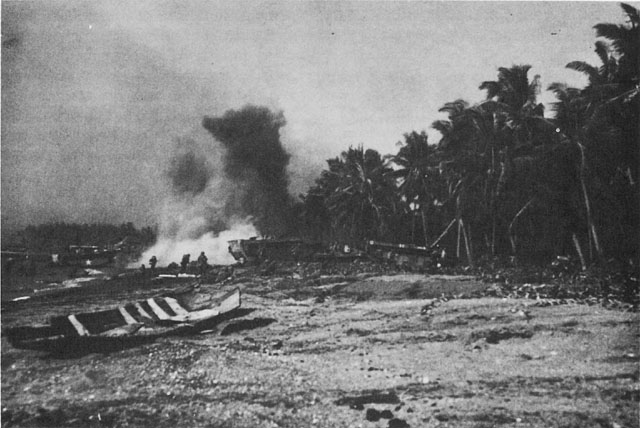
[372,415]
[379,397]
[398,423]
[386,414]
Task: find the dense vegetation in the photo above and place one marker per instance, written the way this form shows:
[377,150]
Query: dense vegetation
[56,237]
[504,180]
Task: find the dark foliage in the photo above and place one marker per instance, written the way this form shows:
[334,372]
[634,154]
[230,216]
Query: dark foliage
[56,237]
[504,180]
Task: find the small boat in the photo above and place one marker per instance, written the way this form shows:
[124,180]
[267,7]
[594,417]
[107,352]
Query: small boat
[152,317]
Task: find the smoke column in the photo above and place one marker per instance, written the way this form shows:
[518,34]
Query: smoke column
[235,187]
[189,172]
[256,164]
[193,217]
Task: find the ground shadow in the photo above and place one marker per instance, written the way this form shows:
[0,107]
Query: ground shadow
[243,325]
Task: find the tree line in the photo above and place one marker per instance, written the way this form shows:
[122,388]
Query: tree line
[57,237]
[504,180]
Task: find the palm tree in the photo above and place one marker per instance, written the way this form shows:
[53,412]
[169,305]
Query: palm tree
[601,120]
[463,148]
[485,146]
[357,195]
[624,40]
[524,133]
[419,178]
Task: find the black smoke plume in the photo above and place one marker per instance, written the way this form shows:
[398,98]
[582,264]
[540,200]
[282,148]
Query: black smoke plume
[256,163]
[188,171]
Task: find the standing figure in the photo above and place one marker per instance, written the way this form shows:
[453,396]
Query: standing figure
[184,263]
[152,263]
[202,264]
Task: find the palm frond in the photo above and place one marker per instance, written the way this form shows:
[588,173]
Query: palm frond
[454,107]
[602,50]
[534,87]
[632,13]
[613,32]
[442,126]
[492,88]
[588,69]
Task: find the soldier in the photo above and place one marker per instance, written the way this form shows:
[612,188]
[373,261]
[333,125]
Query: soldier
[152,263]
[184,263]
[202,263]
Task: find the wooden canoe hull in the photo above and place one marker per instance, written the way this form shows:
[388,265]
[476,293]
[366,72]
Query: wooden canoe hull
[150,317]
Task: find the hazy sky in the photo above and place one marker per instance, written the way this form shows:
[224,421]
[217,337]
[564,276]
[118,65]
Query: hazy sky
[96,94]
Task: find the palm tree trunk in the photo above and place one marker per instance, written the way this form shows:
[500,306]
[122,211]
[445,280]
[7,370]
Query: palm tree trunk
[459,226]
[493,204]
[442,235]
[424,226]
[493,234]
[576,243]
[512,238]
[458,240]
[467,243]
[590,223]
[413,227]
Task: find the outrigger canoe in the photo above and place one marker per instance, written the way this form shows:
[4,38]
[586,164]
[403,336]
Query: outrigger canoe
[153,316]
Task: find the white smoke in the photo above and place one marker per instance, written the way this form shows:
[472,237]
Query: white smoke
[187,222]
[216,247]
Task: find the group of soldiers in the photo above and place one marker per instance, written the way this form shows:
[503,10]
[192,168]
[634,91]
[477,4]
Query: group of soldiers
[203,263]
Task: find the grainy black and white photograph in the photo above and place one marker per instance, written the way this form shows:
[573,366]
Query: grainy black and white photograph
[362,214]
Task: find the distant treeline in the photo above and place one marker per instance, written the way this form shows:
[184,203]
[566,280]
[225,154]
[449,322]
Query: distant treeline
[57,237]
[504,180]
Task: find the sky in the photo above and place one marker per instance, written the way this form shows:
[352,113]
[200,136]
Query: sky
[97,95]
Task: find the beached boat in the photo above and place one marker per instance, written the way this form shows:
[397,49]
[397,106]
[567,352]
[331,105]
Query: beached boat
[186,308]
